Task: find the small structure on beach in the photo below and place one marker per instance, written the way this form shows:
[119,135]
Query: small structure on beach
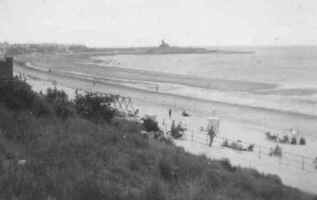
[6,68]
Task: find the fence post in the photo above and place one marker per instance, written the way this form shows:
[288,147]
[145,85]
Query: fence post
[164,126]
[192,135]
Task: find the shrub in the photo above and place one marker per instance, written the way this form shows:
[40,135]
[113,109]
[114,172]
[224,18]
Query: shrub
[59,100]
[149,124]
[177,131]
[41,107]
[16,94]
[56,95]
[227,165]
[95,107]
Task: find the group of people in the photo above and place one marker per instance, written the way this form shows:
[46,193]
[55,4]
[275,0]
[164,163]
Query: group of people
[238,145]
[287,137]
[211,129]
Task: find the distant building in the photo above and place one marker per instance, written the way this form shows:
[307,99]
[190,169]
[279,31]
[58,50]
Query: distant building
[6,68]
[164,44]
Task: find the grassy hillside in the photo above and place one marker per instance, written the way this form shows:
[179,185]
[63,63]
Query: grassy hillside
[81,150]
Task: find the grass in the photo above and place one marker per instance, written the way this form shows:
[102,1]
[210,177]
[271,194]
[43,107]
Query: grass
[79,158]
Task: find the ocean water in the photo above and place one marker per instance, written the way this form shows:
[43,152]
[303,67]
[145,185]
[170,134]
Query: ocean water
[279,78]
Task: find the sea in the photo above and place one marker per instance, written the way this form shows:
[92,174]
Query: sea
[275,78]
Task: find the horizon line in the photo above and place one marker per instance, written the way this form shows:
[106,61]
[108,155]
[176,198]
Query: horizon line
[151,46]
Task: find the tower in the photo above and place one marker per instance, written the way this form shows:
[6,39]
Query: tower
[6,68]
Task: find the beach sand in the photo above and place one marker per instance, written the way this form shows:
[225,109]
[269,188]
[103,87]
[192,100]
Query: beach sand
[236,122]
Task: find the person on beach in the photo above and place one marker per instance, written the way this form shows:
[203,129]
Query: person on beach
[212,134]
[185,114]
[170,113]
[136,112]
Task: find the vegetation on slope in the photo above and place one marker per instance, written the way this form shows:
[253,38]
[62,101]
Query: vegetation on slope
[71,153]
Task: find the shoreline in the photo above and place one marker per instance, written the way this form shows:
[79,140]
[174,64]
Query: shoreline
[236,122]
[109,81]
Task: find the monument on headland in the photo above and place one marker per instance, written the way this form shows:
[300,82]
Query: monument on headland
[165,48]
[164,44]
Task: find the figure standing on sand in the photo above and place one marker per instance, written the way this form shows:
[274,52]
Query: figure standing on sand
[170,113]
[212,134]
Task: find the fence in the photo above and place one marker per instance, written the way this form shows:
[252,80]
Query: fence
[259,152]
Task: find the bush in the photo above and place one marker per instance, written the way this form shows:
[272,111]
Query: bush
[149,124]
[227,165]
[56,95]
[177,131]
[18,96]
[41,107]
[59,100]
[95,107]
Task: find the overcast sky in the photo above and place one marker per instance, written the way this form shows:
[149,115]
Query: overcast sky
[146,22]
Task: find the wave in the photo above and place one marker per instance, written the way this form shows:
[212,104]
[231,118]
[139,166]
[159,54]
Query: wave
[269,102]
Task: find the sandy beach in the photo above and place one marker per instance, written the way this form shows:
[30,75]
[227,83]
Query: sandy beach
[236,122]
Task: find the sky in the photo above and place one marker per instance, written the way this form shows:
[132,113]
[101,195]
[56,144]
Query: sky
[112,23]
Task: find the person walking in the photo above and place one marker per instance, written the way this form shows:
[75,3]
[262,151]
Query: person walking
[170,113]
